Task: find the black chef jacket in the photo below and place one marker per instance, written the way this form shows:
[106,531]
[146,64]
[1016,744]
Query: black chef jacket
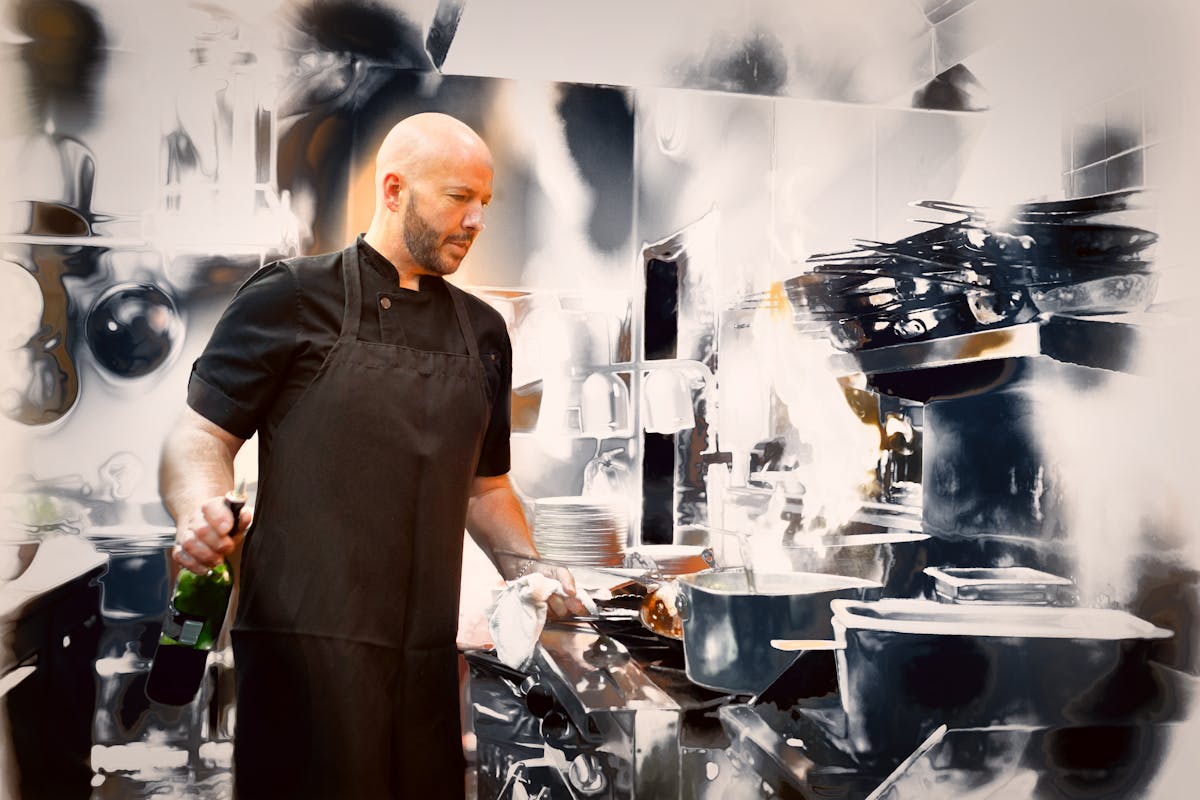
[273,337]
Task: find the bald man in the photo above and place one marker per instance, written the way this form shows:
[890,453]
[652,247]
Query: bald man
[380,396]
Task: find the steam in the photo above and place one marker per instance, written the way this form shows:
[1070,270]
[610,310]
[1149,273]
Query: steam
[1117,453]
[839,450]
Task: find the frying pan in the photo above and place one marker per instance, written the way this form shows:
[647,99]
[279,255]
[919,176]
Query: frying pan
[656,606]
[1072,208]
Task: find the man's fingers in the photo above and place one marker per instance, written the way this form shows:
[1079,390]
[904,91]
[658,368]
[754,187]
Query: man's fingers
[558,608]
[566,606]
[187,561]
[567,580]
[577,608]
[205,540]
[218,516]
[213,525]
[200,553]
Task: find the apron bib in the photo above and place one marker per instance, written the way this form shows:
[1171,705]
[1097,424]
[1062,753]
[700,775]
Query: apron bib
[344,639]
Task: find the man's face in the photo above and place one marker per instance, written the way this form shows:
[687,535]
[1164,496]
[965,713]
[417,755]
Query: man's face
[424,242]
[445,215]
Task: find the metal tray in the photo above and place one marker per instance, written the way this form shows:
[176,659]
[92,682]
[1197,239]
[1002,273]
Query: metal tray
[1001,585]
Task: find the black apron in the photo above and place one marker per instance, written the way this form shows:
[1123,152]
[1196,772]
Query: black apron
[344,641]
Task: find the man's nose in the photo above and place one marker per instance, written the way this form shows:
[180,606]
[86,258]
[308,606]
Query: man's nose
[473,220]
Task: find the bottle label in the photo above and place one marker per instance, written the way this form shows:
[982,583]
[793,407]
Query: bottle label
[183,628]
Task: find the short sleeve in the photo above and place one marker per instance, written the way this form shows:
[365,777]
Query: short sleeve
[239,374]
[496,352]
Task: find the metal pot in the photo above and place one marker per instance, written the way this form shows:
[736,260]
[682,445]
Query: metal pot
[893,559]
[906,666]
[728,628]
[137,584]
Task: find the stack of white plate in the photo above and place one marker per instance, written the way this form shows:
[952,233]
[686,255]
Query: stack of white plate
[580,530]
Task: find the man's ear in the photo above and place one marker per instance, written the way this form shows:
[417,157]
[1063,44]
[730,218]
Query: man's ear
[393,190]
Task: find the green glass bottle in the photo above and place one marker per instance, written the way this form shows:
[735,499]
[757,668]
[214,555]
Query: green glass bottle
[191,626]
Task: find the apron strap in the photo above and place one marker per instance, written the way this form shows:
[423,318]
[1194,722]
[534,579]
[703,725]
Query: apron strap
[464,320]
[352,280]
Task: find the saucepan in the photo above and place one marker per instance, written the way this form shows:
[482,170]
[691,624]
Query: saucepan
[729,617]
[906,666]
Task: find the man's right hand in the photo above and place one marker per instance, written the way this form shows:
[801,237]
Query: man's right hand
[204,541]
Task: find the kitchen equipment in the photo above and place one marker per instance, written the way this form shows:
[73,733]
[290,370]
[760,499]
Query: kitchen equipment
[1047,763]
[1108,295]
[659,611]
[133,329]
[597,704]
[667,402]
[728,628]
[910,665]
[988,268]
[1007,585]
[643,592]
[893,559]
[46,385]
[604,405]
[1071,208]
[907,321]
[17,549]
[138,578]
[673,559]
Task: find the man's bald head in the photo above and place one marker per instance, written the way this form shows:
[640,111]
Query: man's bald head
[433,179]
[426,141]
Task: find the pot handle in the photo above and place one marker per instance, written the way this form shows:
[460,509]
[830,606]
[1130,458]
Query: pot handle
[790,645]
[683,606]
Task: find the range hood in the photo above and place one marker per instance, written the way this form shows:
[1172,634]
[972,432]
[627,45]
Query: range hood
[857,51]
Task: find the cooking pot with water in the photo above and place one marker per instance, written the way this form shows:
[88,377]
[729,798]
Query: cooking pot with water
[730,616]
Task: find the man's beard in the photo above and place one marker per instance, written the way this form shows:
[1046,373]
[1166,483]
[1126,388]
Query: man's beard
[423,241]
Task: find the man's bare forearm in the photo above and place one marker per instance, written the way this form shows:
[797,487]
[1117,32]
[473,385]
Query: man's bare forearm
[196,465]
[497,523]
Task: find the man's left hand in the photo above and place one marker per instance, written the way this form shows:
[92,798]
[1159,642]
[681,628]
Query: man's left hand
[571,605]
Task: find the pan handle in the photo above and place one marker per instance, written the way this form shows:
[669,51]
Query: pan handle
[791,645]
[644,576]
[683,607]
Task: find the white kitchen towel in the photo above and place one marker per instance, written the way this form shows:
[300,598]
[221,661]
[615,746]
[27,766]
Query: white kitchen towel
[519,615]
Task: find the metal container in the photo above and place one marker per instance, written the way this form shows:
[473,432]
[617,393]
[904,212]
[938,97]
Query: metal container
[907,666]
[1003,585]
[893,559]
[137,584]
[728,628]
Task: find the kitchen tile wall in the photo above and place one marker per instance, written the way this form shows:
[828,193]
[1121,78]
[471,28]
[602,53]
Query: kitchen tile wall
[1124,138]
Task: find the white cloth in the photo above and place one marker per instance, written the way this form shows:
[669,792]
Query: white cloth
[519,615]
